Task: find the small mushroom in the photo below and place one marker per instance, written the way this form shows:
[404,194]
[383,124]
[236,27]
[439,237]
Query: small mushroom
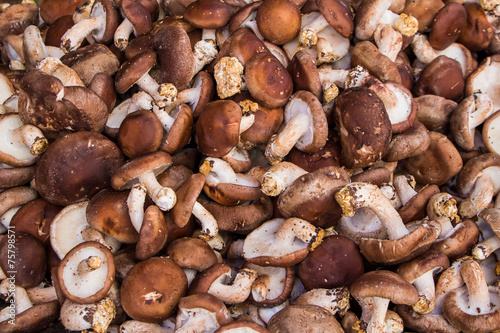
[485,248]
[137,19]
[201,311]
[278,20]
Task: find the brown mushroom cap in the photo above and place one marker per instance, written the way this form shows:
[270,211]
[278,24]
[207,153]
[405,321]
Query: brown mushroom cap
[415,208]
[338,14]
[304,72]
[88,286]
[37,317]
[133,140]
[447,25]
[16,17]
[207,302]
[429,261]
[61,176]
[459,243]
[193,253]
[278,20]
[478,31]
[242,325]
[364,126]
[147,298]
[138,15]
[179,134]
[413,141]
[26,261]
[298,318]
[472,169]
[11,177]
[132,70]
[424,11]
[153,233]
[208,14]
[186,199]
[368,56]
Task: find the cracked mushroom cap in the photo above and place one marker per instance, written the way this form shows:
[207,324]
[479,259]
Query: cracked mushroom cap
[147,298]
[364,126]
[86,273]
[61,177]
[312,196]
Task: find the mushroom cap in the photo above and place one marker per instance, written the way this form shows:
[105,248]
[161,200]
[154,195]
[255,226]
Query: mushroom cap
[110,10]
[434,112]
[186,199]
[134,69]
[429,261]
[447,25]
[312,196]
[338,14]
[231,194]
[208,303]
[103,85]
[384,284]
[483,79]
[108,213]
[415,208]
[241,15]
[16,17]
[368,56]
[138,15]
[336,262]
[88,287]
[424,322]
[458,244]
[268,80]
[278,20]
[126,176]
[208,14]
[391,252]
[490,135]
[364,126]
[438,164]
[278,281]
[26,261]
[16,196]
[37,317]
[147,298]
[413,141]
[61,177]
[12,177]
[204,280]
[304,72]
[179,134]
[218,128]
[153,233]
[478,31]
[298,318]
[472,169]
[133,140]
[193,253]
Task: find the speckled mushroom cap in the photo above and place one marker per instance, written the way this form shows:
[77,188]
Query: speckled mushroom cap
[447,25]
[138,15]
[208,14]
[429,261]
[132,70]
[364,127]
[61,177]
[305,74]
[338,14]
[278,20]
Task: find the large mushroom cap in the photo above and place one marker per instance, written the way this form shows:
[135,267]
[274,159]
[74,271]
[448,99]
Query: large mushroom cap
[62,178]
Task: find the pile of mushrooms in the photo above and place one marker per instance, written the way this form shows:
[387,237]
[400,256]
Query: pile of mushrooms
[250,166]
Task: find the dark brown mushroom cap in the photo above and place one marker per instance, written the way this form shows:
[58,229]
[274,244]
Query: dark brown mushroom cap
[153,233]
[108,213]
[175,56]
[240,219]
[364,126]
[57,27]
[460,242]
[147,298]
[443,77]
[327,156]
[110,9]
[472,169]
[138,45]
[429,261]
[368,56]
[103,85]
[478,31]
[174,176]
[134,140]
[204,280]
[413,141]
[37,317]
[69,268]
[434,112]
[447,25]
[35,218]
[17,17]
[424,11]
[11,177]
[230,194]
[377,176]
[268,80]
[132,70]
[278,20]
[244,325]
[192,253]
[126,176]
[304,72]
[338,14]
[61,176]
[52,10]
[23,256]
[90,60]
[205,82]
[179,134]
[438,164]
[384,284]
[415,208]
[243,44]
[218,128]
[298,318]
[336,262]
[186,199]
[16,196]
[241,15]
[138,15]
[392,252]
[208,14]
[312,196]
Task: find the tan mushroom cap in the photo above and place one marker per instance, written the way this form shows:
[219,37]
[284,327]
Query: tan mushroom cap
[126,176]
[147,298]
[429,261]
[12,177]
[458,244]
[192,253]
[411,142]
[298,318]
[179,134]
[367,55]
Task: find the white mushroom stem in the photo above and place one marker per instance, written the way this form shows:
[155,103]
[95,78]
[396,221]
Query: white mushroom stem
[447,227]
[357,194]
[74,36]
[426,291]
[334,300]
[332,78]
[219,170]
[251,24]
[158,91]
[279,177]
[298,228]
[247,119]
[236,292]
[209,226]
[235,249]
[449,280]
[165,118]
[484,107]
[390,193]
[405,187]
[163,197]
[407,25]
[7,217]
[54,67]
[135,204]
[388,40]
[122,34]
[487,185]
[33,46]
[21,301]
[478,294]
[326,52]
[30,137]
[265,314]
[373,313]
[484,249]
[139,101]
[39,295]
[308,35]
[280,144]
